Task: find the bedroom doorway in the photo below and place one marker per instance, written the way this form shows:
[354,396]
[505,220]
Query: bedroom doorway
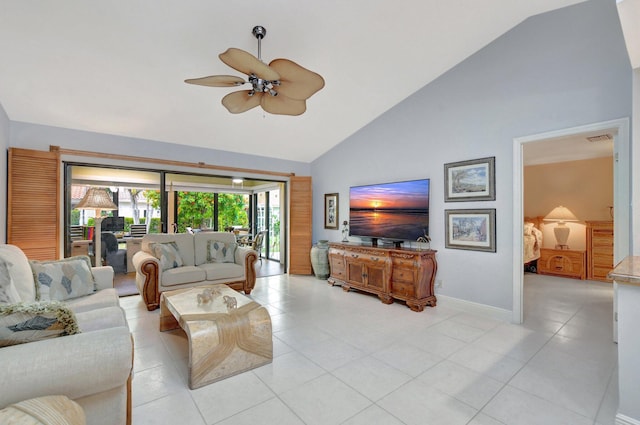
[619,129]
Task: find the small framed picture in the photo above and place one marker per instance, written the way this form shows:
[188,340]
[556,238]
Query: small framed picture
[331,211]
[470,229]
[473,180]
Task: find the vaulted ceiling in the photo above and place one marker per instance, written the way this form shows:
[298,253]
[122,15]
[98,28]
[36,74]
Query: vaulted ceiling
[117,67]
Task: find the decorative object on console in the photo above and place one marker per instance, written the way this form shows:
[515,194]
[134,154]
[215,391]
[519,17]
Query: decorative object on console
[345,231]
[331,211]
[473,180]
[561,215]
[97,199]
[282,87]
[470,229]
[426,240]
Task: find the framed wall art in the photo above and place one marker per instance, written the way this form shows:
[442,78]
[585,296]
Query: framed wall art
[331,211]
[470,229]
[473,180]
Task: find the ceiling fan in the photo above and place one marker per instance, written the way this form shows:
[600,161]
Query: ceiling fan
[282,87]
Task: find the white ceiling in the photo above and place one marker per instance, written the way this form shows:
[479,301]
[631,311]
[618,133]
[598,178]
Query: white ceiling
[569,148]
[117,67]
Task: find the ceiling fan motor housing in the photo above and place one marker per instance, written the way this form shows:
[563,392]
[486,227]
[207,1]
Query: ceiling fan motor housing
[262,86]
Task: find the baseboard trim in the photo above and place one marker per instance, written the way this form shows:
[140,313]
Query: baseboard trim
[476,308]
[625,420]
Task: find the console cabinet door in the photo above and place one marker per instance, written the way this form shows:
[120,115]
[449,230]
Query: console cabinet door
[366,271]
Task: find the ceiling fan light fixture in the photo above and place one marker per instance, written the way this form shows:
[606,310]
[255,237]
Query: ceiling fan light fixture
[283,79]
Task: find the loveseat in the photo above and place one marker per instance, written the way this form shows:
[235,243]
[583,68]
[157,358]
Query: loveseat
[171,261]
[80,347]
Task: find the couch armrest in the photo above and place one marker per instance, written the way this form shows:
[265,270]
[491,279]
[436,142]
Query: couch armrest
[247,258]
[148,276]
[76,365]
[103,276]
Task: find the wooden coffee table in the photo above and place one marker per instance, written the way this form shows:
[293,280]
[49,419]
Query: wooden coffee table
[223,341]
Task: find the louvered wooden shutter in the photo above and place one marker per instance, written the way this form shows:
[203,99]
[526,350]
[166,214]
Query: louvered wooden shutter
[300,225]
[33,213]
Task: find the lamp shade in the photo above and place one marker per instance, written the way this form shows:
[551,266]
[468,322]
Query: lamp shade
[96,199]
[561,214]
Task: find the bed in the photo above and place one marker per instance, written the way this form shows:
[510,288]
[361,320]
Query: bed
[532,242]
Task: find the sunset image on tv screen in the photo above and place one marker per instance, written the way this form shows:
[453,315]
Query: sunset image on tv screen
[391,210]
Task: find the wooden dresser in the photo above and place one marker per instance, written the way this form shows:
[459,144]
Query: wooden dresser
[562,262]
[390,273]
[599,250]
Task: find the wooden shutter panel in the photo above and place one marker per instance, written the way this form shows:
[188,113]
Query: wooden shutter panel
[300,227]
[33,210]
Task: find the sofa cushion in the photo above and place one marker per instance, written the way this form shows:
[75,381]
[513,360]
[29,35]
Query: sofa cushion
[185,274]
[184,242]
[201,243]
[20,272]
[28,322]
[226,271]
[168,254]
[63,279]
[221,252]
[8,292]
[101,318]
[101,299]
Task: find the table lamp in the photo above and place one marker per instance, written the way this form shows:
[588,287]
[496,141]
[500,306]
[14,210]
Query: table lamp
[561,215]
[97,199]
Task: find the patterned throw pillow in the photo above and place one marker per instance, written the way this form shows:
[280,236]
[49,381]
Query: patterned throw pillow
[63,279]
[168,255]
[8,292]
[28,322]
[220,252]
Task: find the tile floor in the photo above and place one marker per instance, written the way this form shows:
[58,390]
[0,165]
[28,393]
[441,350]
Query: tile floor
[348,359]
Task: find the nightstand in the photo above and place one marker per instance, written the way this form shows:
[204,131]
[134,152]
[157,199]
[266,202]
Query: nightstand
[562,262]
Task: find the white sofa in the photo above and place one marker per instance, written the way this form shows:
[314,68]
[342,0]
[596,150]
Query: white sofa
[196,269]
[92,367]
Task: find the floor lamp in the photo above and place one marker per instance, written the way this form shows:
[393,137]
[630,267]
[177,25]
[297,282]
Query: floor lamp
[561,215]
[97,199]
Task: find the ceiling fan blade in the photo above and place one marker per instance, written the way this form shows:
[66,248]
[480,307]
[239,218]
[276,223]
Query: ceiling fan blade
[240,101]
[217,81]
[283,105]
[248,64]
[296,81]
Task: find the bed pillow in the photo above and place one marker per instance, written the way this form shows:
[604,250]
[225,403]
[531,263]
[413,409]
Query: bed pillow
[168,255]
[221,252]
[28,322]
[63,279]
[8,292]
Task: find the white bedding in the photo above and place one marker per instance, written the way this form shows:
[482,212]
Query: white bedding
[532,243]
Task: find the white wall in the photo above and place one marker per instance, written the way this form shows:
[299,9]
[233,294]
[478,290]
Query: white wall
[556,70]
[4,144]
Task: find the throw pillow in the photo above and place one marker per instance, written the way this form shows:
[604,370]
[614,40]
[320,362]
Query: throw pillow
[221,252]
[168,255]
[8,292]
[63,279]
[28,322]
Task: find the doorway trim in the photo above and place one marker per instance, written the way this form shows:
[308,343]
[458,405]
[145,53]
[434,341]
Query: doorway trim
[621,197]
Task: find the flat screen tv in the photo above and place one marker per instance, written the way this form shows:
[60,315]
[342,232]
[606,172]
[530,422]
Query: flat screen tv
[396,211]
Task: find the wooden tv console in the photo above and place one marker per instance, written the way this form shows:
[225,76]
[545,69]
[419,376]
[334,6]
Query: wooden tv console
[403,274]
